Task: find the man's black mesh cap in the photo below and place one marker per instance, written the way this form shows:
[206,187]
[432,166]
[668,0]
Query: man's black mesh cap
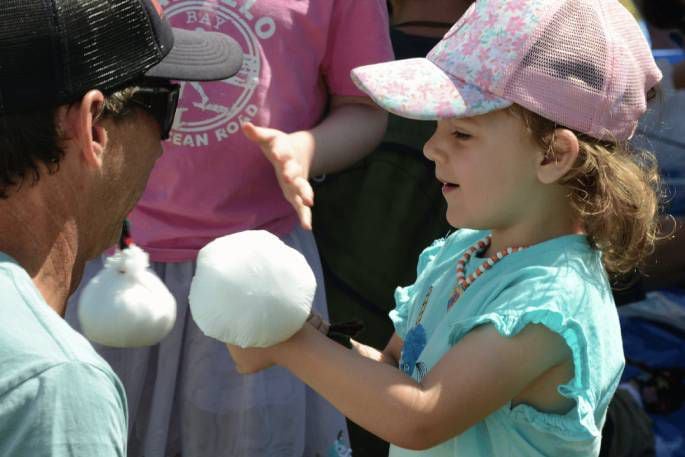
[54,51]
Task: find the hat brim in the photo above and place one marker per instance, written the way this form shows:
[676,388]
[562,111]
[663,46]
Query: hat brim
[199,56]
[419,89]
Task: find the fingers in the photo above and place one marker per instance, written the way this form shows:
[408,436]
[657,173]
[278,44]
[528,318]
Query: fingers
[302,200]
[289,171]
[304,213]
[260,135]
[304,190]
[290,176]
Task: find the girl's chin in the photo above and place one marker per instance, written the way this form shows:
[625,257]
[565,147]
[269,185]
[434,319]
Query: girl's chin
[455,221]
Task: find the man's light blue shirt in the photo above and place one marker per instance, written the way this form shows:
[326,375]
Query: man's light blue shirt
[58,397]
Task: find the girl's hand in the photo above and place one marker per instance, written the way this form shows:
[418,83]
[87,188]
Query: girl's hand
[291,164]
[250,360]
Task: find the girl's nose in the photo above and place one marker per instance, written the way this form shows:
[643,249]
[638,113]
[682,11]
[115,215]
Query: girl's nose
[430,149]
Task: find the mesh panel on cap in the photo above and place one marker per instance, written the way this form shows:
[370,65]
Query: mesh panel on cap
[53,51]
[632,57]
[589,69]
[564,73]
[15,43]
[106,46]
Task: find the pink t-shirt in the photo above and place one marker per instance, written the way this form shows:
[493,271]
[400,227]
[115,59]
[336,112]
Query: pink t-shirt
[211,180]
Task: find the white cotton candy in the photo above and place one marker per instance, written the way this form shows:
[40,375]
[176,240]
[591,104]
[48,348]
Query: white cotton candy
[126,304]
[251,290]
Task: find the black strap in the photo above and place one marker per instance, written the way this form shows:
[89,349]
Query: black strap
[343,332]
[125,238]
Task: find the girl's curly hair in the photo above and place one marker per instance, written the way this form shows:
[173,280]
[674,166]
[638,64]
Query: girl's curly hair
[614,190]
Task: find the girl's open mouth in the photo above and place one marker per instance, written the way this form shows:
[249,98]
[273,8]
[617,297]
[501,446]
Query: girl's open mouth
[448,187]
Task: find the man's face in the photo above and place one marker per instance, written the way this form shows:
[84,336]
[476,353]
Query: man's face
[133,148]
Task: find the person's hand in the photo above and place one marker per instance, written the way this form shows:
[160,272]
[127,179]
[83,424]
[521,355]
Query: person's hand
[250,360]
[292,167]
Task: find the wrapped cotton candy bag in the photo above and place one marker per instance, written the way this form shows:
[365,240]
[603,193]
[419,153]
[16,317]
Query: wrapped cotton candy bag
[251,290]
[126,304]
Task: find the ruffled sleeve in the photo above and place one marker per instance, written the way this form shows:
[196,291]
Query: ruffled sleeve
[405,297]
[526,303]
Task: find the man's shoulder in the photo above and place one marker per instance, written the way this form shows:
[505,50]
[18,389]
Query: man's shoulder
[68,408]
[38,343]
[80,375]
[37,373]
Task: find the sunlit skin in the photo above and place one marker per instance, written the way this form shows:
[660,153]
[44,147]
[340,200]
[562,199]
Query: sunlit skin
[134,147]
[77,212]
[353,126]
[495,177]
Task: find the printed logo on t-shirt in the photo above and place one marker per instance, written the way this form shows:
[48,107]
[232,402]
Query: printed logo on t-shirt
[210,112]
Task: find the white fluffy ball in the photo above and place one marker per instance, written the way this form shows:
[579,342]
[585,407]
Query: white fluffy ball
[251,290]
[126,304]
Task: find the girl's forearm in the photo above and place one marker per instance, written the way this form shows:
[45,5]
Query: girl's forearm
[373,354]
[375,395]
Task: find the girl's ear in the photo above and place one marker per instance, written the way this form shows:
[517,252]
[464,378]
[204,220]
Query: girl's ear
[558,160]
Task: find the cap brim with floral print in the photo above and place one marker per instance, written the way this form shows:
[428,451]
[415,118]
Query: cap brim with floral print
[419,89]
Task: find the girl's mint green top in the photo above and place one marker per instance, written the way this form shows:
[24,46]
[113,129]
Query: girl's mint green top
[58,397]
[559,283]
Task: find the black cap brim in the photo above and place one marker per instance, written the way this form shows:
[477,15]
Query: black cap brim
[199,56]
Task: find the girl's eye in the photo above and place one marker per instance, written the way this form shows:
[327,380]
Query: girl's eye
[461,135]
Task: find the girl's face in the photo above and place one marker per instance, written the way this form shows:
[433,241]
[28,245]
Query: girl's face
[487,165]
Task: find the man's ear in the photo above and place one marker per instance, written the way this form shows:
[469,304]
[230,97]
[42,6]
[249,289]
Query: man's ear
[555,163]
[84,127]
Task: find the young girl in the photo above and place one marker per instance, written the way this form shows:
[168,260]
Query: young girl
[508,343]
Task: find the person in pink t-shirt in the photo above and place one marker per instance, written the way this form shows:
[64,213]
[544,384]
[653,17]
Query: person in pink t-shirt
[216,177]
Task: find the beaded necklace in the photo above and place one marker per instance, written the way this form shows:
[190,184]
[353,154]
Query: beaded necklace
[478,248]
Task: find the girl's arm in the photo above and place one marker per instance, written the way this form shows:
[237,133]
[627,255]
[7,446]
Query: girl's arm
[476,377]
[352,128]
[390,355]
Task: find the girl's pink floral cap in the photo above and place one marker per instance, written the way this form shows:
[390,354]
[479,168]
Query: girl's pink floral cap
[583,64]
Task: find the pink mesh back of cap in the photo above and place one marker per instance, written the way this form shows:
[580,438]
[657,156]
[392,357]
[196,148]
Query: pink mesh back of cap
[587,67]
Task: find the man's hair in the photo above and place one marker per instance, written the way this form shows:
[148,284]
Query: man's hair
[30,141]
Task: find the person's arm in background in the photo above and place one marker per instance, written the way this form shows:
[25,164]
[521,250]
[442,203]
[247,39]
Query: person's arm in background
[353,128]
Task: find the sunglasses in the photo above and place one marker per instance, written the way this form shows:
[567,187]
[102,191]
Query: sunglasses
[160,101]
